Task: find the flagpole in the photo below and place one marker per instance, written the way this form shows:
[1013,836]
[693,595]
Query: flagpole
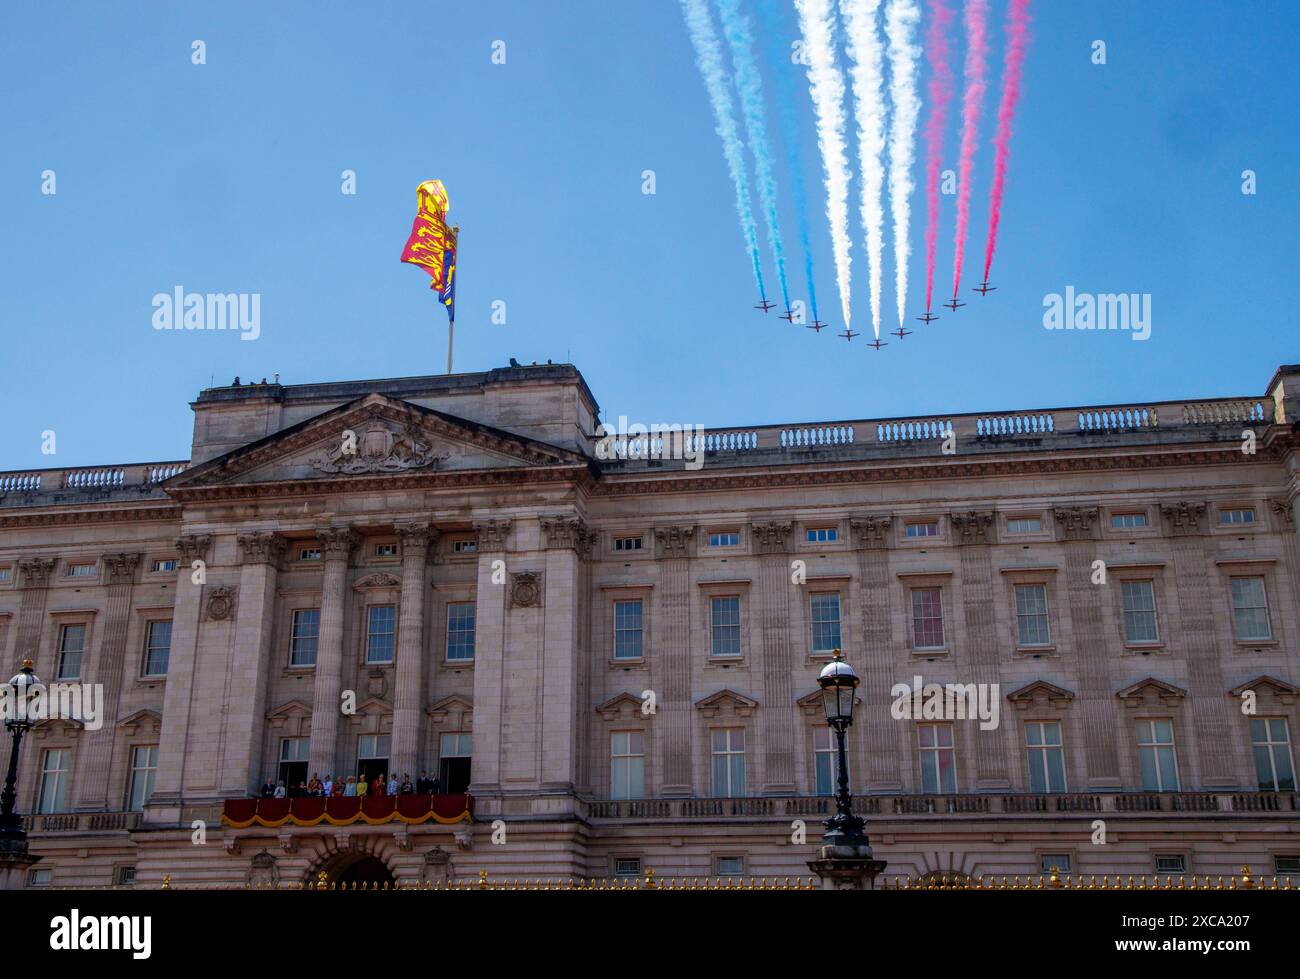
[451,332]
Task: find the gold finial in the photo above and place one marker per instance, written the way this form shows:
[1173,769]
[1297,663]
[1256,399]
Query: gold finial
[27,664]
[167,878]
[482,879]
[836,653]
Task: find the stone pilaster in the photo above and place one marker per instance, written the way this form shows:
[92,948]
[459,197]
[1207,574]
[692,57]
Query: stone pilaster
[95,761]
[410,687]
[974,531]
[34,581]
[336,548]
[173,742]
[872,539]
[569,543]
[489,653]
[671,667]
[250,665]
[1212,714]
[772,541]
[1078,529]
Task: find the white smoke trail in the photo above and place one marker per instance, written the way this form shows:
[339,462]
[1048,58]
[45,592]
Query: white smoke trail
[740,39]
[817,24]
[866,54]
[901,20]
[708,54]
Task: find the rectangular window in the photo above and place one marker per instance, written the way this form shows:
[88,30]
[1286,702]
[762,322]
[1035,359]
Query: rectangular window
[72,646]
[81,570]
[628,543]
[1286,864]
[461,619]
[309,554]
[1240,515]
[56,770]
[6,574]
[927,618]
[1128,521]
[144,768]
[627,629]
[126,876]
[372,755]
[381,623]
[824,760]
[728,538]
[1058,862]
[464,546]
[1024,525]
[454,762]
[294,755]
[938,759]
[725,626]
[822,535]
[165,565]
[627,866]
[1032,627]
[387,549]
[305,635]
[1250,609]
[1171,863]
[627,765]
[824,611]
[1140,623]
[728,752]
[731,866]
[922,528]
[1155,740]
[157,648]
[1270,741]
[1046,756]
[41,877]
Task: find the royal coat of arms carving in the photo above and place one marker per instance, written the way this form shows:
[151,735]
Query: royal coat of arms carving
[378,448]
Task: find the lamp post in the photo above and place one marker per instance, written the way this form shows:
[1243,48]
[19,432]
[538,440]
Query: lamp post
[14,859]
[846,861]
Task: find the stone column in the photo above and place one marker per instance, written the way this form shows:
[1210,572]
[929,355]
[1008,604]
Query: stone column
[251,663]
[569,544]
[34,581]
[336,548]
[671,668]
[1212,713]
[489,655]
[974,533]
[409,693]
[872,535]
[772,541]
[164,804]
[95,761]
[1077,527]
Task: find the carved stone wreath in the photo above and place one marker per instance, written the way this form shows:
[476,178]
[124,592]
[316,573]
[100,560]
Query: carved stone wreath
[526,589]
[221,602]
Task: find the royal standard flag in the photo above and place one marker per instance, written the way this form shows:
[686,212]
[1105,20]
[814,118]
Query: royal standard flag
[432,244]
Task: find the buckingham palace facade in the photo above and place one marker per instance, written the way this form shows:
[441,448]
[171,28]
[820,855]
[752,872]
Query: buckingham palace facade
[606,649]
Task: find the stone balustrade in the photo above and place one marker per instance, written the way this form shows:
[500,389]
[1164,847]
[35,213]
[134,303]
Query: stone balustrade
[23,486]
[991,804]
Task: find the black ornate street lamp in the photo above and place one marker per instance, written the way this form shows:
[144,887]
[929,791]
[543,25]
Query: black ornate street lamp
[839,684]
[25,684]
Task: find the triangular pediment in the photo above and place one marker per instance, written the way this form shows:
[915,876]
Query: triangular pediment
[1166,693]
[1025,696]
[618,704]
[375,435]
[1279,688]
[726,700]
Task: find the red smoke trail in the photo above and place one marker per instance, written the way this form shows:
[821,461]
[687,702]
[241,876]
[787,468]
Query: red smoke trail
[1017,41]
[936,50]
[977,15]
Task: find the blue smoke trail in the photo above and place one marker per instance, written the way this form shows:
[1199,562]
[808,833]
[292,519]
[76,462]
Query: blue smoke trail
[775,28]
[708,55]
[749,83]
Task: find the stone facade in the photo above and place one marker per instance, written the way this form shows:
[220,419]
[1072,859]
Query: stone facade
[1122,577]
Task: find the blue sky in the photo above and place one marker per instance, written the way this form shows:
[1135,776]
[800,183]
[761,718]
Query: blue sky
[225,177]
